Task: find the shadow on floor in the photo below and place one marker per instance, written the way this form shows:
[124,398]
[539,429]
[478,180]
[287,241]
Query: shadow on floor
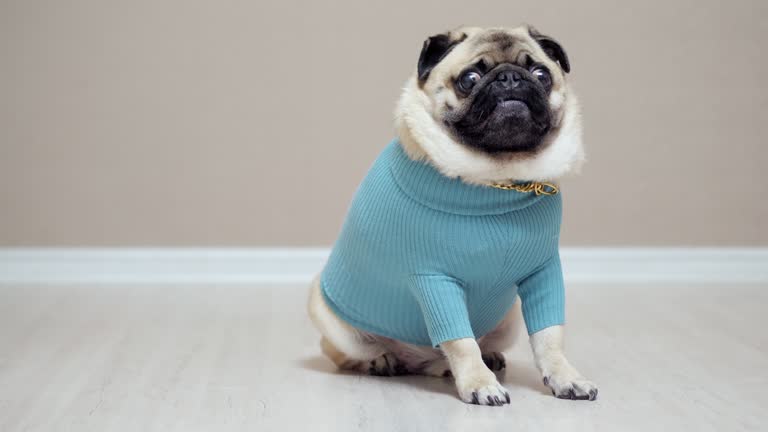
[515,375]
[519,375]
[429,384]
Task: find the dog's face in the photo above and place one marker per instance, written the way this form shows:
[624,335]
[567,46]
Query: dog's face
[492,105]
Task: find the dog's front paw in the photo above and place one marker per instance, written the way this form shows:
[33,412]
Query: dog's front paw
[482,389]
[570,385]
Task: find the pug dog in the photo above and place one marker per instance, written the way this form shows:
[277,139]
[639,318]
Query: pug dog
[452,237]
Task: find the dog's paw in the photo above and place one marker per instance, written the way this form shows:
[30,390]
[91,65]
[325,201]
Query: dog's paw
[495,361]
[569,386]
[387,365]
[482,390]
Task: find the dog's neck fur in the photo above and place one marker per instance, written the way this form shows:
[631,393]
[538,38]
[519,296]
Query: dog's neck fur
[423,139]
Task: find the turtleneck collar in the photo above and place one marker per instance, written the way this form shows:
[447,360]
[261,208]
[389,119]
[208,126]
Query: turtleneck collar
[422,182]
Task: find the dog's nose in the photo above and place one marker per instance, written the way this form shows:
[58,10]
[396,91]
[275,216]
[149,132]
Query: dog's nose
[509,78]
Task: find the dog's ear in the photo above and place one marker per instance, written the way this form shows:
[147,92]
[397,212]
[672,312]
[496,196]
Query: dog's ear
[552,47]
[435,49]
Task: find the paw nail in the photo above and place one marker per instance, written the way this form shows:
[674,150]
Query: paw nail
[593,394]
[475,398]
[508,400]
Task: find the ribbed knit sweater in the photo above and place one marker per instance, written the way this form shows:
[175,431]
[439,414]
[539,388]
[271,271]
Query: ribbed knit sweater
[423,258]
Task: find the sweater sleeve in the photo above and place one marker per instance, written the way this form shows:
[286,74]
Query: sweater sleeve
[443,304]
[543,297]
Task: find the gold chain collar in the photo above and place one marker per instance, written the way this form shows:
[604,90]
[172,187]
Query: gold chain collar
[540,188]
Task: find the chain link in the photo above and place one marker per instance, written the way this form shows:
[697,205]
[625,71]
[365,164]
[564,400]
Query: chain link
[540,188]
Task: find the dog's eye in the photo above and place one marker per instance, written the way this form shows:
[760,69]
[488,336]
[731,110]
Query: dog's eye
[467,80]
[542,74]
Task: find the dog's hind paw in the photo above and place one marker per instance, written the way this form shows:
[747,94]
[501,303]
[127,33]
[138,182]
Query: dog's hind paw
[387,365]
[495,361]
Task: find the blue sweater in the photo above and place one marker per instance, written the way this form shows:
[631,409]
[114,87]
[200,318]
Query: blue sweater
[424,259]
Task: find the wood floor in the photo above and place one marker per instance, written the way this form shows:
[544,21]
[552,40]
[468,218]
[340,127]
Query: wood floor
[237,358]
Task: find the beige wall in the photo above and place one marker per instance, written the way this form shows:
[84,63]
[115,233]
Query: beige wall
[242,123]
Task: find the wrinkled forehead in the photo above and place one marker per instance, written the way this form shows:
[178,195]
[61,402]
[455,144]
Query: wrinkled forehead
[502,45]
[494,46]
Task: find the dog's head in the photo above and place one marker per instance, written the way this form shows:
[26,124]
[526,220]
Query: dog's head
[492,105]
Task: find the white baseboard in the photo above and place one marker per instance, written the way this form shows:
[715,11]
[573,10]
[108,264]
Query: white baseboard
[299,265]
